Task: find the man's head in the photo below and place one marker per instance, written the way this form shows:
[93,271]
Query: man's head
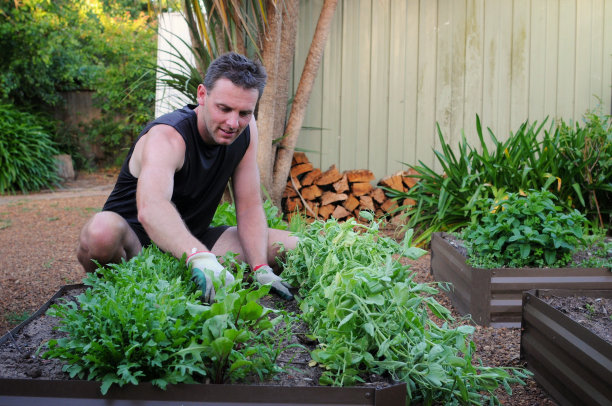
[240,70]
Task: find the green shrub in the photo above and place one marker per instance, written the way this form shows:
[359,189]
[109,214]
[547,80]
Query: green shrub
[26,152]
[524,231]
[583,158]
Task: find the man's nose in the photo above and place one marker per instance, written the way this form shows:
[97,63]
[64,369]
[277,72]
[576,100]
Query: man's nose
[233,120]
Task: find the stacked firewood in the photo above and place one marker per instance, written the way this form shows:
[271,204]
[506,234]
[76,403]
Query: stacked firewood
[321,195]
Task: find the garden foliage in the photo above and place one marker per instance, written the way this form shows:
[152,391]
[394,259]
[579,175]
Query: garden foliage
[226,215]
[26,152]
[369,316]
[524,230]
[141,321]
[53,47]
[573,161]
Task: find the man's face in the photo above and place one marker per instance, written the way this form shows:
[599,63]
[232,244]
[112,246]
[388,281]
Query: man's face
[224,112]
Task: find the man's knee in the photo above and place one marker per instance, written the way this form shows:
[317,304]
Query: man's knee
[102,239]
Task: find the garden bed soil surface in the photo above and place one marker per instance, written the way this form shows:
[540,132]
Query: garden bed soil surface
[38,236]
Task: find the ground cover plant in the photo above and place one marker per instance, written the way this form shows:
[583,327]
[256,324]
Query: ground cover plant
[141,320]
[573,161]
[368,316]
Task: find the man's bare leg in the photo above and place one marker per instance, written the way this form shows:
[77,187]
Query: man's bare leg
[106,238]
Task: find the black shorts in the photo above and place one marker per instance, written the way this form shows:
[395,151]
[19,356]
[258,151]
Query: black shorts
[209,238]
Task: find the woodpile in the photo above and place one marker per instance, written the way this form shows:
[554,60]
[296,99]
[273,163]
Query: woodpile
[321,195]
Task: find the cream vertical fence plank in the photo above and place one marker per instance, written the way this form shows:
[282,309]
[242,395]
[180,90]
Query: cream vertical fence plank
[474,71]
[444,64]
[350,88]
[501,125]
[363,74]
[310,136]
[409,136]
[597,55]
[461,61]
[492,45]
[332,82]
[552,58]
[379,88]
[537,61]
[402,28]
[426,81]
[566,80]
[607,58]
[519,64]
[444,69]
[584,31]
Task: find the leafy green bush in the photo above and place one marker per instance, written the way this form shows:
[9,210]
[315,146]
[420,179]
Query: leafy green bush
[574,163]
[26,152]
[51,47]
[141,321]
[583,158]
[522,231]
[369,316]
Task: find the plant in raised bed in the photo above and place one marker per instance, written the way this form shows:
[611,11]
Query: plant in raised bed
[369,316]
[524,229]
[141,321]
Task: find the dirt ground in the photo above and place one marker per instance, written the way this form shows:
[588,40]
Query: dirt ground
[38,236]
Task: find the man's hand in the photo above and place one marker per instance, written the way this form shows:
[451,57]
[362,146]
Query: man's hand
[264,275]
[200,261]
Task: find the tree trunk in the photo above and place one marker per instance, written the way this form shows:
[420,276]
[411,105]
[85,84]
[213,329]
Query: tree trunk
[267,103]
[309,73]
[278,51]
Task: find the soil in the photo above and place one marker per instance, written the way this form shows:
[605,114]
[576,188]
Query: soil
[38,235]
[593,313]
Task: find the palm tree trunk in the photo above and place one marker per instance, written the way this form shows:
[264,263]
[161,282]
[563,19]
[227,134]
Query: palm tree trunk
[282,164]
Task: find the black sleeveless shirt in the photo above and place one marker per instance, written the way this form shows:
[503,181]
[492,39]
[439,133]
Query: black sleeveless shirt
[198,185]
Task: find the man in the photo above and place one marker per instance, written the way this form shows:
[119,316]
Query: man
[173,179]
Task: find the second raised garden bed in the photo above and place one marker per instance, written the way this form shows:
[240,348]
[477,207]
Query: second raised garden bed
[493,297]
[571,362]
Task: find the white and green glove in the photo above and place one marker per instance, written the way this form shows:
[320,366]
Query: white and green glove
[264,275]
[201,260]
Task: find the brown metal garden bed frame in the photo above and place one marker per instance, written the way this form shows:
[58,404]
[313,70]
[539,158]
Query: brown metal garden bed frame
[572,363]
[78,392]
[493,297]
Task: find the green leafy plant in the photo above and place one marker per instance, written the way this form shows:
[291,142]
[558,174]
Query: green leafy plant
[583,157]
[446,201]
[524,230]
[226,215]
[369,316]
[26,152]
[572,161]
[141,321]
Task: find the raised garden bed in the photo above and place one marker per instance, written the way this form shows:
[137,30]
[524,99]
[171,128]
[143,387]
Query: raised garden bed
[71,391]
[568,359]
[493,297]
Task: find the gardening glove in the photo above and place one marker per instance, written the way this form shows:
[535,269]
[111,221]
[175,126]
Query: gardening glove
[264,275]
[199,261]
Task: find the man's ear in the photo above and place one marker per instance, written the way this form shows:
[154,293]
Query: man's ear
[201,94]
